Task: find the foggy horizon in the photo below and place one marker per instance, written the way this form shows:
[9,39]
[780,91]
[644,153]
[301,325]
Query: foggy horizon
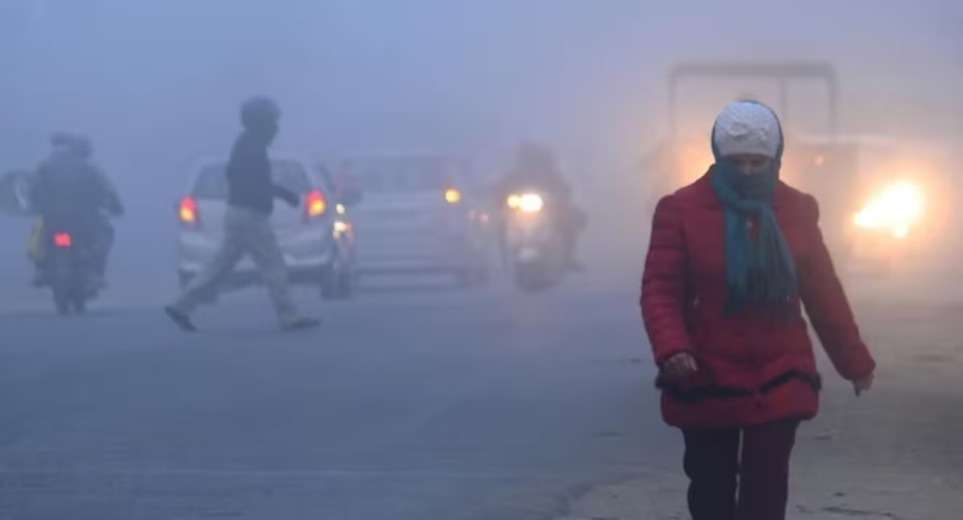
[474,361]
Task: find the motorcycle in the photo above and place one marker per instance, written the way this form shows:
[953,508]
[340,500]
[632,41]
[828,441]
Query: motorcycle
[69,270]
[66,253]
[533,241]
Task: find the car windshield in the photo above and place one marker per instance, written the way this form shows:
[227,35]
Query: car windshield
[403,175]
[212,182]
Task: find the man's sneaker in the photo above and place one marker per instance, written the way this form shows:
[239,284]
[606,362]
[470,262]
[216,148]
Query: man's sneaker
[181,319]
[301,323]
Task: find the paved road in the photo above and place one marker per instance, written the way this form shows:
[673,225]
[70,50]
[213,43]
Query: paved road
[408,404]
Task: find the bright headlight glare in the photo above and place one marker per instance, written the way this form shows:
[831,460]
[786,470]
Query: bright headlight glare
[531,203]
[452,196]
[340,227]
[895,209]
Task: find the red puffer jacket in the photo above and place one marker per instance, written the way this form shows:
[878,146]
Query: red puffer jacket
[755,366]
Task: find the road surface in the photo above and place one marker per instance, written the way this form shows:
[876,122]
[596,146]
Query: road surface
[409,403]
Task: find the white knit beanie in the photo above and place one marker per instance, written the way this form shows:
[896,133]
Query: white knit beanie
[747,127]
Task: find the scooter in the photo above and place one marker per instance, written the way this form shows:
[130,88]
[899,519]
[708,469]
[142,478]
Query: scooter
[533,242]
[69,270]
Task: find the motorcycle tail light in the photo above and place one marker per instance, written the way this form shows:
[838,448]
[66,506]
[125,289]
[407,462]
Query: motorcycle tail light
[63,240]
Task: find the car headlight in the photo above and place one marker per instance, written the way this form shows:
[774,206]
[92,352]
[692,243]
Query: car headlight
[452,196]
[513,201]
[894,210]
[340,227]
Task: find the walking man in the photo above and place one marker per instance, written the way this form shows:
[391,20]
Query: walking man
[247,226]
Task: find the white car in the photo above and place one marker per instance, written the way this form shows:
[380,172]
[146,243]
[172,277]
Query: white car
[316,238]
[420,215]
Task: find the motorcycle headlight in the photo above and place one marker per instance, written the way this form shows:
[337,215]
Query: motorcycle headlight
[526,202]
[513,201]
[894,210]
[532,203]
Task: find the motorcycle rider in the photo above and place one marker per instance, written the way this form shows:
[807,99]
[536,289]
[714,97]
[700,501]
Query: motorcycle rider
[68,191]
[247,226]
[536,168]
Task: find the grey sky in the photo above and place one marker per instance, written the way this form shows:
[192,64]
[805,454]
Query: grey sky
[161,80]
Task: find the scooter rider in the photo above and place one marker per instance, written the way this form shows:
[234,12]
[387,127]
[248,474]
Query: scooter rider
[68,190]
[535,167]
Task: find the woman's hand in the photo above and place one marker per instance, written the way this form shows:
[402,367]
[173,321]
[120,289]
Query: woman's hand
[680,365]
[864,384]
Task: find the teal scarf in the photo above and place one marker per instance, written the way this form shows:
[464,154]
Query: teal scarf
[759,266]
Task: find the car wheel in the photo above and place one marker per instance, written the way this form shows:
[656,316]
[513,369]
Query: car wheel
[80,304]
[483,275]
[183,279]
[61,302]
[466,278]
[333,284]
[472,276]
[346,285]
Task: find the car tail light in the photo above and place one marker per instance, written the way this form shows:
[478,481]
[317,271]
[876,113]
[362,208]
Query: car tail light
[316,204]
[188,211]
[63,240]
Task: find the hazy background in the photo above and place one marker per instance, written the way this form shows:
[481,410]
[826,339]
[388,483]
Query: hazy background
[157,83]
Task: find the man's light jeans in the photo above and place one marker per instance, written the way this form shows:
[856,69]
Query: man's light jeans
[245,232]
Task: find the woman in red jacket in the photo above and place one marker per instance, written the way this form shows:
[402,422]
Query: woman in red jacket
[733,257]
